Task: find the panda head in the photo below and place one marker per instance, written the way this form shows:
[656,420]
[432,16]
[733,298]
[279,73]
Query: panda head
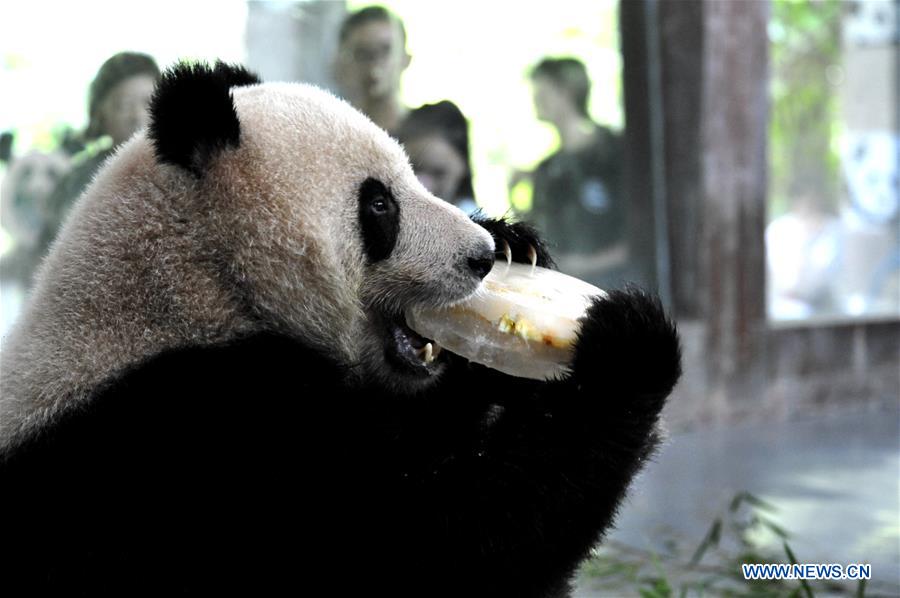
[315,216]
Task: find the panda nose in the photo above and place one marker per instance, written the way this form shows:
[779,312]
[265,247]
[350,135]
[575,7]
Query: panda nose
[482,264]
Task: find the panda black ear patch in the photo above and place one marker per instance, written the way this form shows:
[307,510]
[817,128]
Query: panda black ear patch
[192,114]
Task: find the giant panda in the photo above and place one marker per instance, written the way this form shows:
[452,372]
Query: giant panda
[213,388]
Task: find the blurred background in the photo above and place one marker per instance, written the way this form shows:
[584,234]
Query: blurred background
[739,157]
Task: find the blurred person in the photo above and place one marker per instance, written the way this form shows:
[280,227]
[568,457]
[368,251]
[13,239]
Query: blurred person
[372,57]
[370,62]
[6,143]
[436,138]
[27,185]
[577,199]
[117,108]
[803,251]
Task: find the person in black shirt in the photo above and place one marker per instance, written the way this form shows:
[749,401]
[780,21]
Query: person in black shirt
[577,200]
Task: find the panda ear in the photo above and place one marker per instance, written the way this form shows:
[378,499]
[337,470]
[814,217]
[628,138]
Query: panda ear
[192,114]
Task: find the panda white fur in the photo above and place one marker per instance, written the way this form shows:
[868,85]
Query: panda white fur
[213,388]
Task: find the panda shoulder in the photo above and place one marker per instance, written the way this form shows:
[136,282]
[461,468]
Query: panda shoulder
[187,397]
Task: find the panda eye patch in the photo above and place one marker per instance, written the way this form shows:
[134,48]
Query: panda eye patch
[379,219]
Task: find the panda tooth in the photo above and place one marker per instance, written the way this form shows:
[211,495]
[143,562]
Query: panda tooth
[429,352]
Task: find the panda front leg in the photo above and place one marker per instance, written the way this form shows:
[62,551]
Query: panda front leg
[544,475]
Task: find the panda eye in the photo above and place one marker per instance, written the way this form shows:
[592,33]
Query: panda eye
[379,205]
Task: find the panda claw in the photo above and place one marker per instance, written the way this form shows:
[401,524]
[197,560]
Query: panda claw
[532,257]
[508,253]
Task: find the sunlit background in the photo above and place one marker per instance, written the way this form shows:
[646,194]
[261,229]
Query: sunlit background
[480,63]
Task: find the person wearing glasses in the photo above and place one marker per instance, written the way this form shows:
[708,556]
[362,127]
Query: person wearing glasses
[370,62]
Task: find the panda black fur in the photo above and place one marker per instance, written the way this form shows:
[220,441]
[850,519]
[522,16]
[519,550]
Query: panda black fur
[213,390]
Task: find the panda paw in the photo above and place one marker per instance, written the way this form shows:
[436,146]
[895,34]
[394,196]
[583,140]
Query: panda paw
[516,241]
[627,345]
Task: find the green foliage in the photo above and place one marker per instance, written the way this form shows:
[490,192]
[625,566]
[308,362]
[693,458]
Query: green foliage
[734,538]
[804,121]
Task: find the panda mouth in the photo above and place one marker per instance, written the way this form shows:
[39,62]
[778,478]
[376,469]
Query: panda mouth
[410,351]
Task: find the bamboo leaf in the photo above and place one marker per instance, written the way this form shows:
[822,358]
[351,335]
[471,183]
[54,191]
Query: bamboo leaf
[711,539]
[803,584]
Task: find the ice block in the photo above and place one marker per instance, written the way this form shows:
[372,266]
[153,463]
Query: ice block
[523,321]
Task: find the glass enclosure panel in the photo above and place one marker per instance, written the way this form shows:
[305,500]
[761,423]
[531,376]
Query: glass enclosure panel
[833,244]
